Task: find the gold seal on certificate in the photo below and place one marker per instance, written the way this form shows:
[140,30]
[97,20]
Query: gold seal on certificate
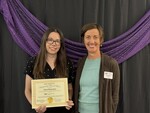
[49,92]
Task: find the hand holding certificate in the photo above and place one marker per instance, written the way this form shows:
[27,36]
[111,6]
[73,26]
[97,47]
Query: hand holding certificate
[49,92]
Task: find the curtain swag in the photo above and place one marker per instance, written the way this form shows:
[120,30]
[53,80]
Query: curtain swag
[27,30]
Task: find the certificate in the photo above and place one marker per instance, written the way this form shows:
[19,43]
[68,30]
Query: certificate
[50,92]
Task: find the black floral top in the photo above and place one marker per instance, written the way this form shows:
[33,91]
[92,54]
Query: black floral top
[48,72]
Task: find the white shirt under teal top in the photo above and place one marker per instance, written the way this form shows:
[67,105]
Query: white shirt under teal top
[89,87]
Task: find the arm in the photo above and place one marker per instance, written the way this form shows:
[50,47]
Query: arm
[70,102]
[70,90]
[116,85]
[28,92]
[70,70]
[28,88]
[28,77]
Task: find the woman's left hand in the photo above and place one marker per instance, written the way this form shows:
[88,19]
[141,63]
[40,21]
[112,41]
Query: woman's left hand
[69,104]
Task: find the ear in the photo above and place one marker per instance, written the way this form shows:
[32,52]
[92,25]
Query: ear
[101,45]
[101,40]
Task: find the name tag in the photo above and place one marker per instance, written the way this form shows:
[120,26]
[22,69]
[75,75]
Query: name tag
[108,75]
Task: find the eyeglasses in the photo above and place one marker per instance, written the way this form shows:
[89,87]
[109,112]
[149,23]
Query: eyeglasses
[51,41]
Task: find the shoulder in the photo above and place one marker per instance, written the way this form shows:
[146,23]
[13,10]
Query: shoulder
[29,66]
[108,59]
[31,61]
[69,62]
[82,59]
[81,62]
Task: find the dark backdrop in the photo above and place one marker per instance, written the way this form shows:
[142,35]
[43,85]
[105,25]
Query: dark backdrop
[116,17]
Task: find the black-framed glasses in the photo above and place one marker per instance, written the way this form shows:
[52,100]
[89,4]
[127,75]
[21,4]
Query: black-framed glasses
[51,41]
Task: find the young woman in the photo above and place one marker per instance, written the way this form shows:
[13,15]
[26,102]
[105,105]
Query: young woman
[51,62]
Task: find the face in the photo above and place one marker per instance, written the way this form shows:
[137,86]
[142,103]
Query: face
[92,41]
[53,43]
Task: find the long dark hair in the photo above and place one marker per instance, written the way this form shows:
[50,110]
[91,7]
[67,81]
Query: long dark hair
[60,63]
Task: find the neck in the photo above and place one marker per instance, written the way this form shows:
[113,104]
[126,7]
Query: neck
[51,58]
[94,55]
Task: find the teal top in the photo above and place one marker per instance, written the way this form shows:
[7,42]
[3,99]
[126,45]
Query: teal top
[89,87]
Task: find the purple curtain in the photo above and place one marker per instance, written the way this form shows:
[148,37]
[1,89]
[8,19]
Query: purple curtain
[26,31]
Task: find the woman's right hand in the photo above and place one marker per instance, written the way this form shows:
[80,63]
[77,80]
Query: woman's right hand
[41,109]
[69,104]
